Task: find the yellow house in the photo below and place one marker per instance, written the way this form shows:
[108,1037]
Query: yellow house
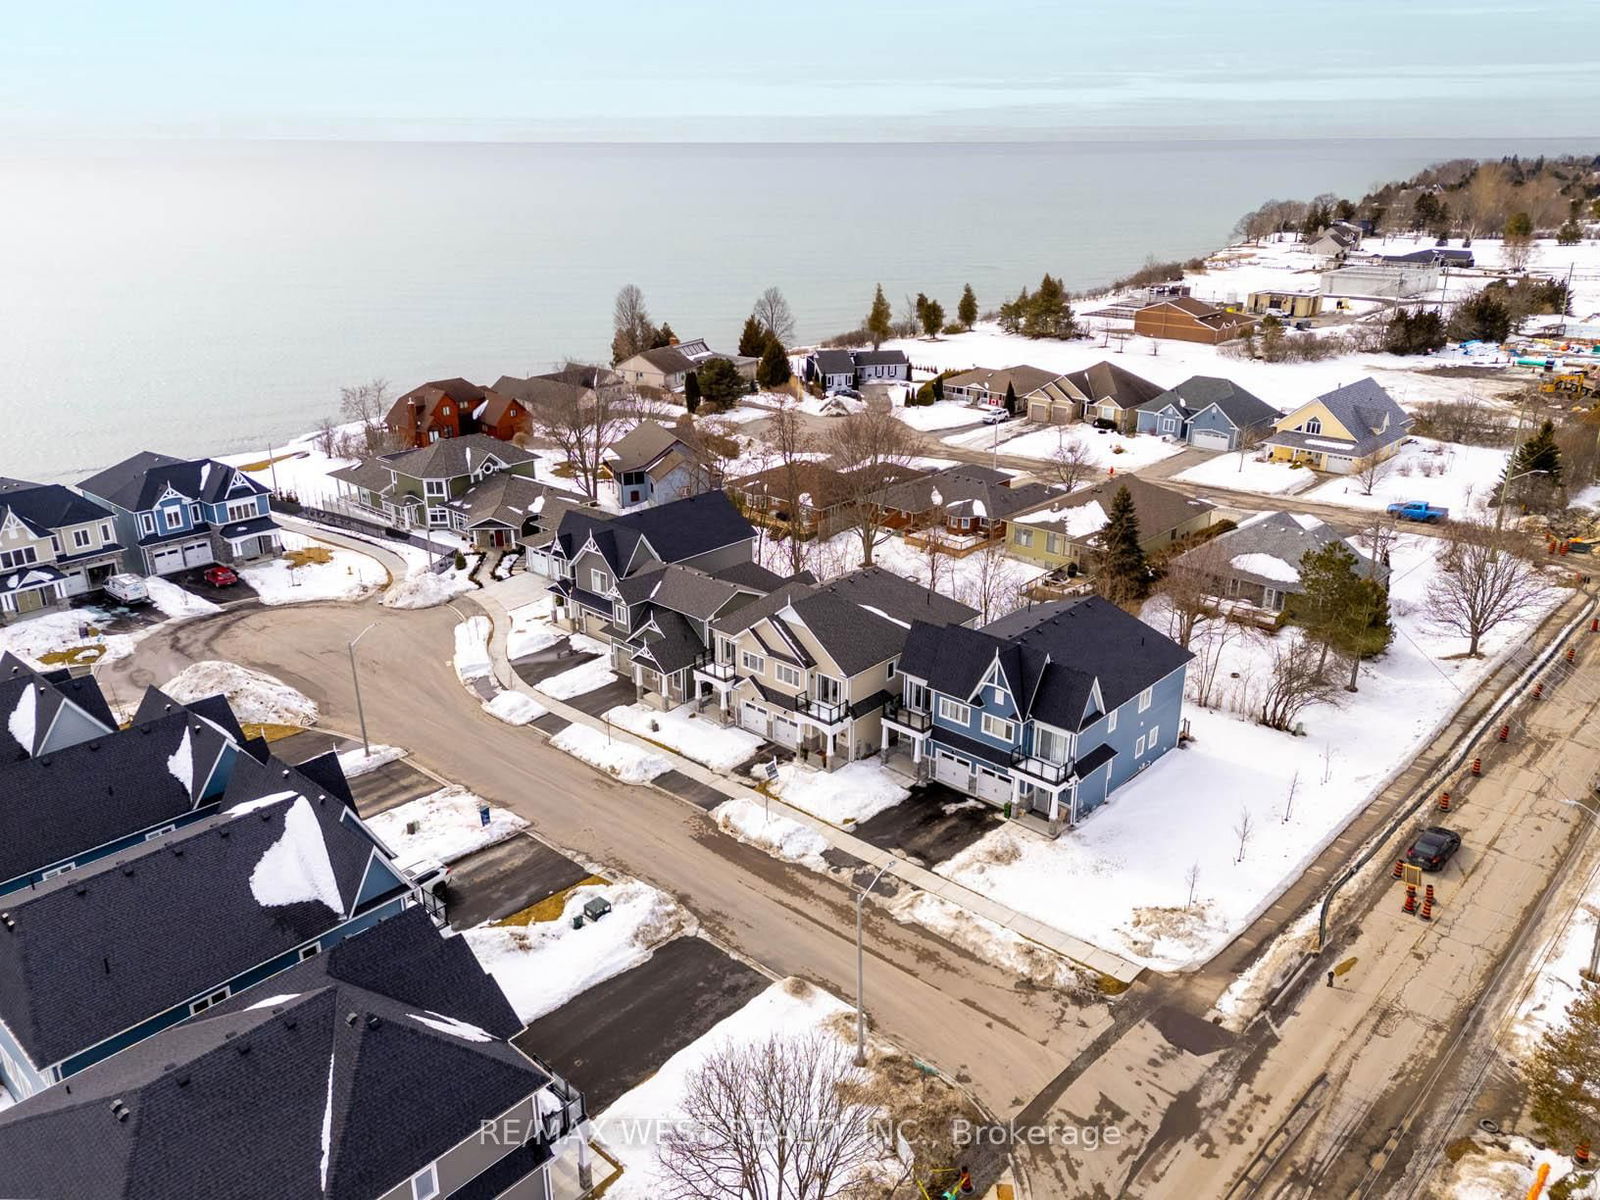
[1341,429]
[1062,533]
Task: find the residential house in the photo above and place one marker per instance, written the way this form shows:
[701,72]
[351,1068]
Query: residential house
[501,511]
[1292,305]
[1186,319]
[1382,280]
[173,513]
[544,394]
[1044,713]
[1335,241]
[1258,563]
[419,489]
[1066,533]
[1444,256]
[1342,429]
[1042,395]
[652,465]
[381,1068]
[45,711]
[1112,395]
[811,666]
[810,498]
[833,369]
[665,368]
[99,959]
[964,505]
[54,545]
[443,408]
[1209,413]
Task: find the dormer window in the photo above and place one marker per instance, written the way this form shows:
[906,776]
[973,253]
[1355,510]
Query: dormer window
[1314,425]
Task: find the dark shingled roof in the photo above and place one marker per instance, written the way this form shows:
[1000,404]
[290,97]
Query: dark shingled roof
[1199,392]
[156,704]
[676,531]
[51,690]
[1106,381]
[43,507]
[449,458]
[136,483]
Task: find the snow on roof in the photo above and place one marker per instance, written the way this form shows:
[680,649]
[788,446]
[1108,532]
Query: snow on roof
[327,1124]
[1077,521]
[1306,520]
[1327,444]
[250,806]
[451,1025]
[181,763]
[284,998]
[24,719]
[878,612]
[296,867]
[1268,566]
[979,509]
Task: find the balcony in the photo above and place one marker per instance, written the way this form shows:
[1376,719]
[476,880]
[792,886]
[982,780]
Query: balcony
[707,667]
[1042,769]
[913,720]
[824,712]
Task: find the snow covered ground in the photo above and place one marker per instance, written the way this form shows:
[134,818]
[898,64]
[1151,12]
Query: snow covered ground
[585,677]
[852,793]
[993,943]
[933,417]
[1506,1167]
[1119,879]
[357,762]
[472,649]
[175,602]
[531,630]
[301,470]
[1558,978]
[1105,448]
[425,588]
[543,964]
[1460,478]
[629,763]
[1252,475]
[514,708]
[346,575]
[693,736]
[64,632]
[779,836]
[448,826]
[255,697]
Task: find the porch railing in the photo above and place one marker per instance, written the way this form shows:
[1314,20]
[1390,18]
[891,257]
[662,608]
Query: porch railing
[707,664]
[826,711]
[1040,768]
[901,713]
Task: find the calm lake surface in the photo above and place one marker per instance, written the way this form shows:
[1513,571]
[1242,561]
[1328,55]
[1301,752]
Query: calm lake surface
[197,297]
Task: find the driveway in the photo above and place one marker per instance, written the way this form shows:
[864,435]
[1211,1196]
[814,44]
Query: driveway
[936,823]
[193,581]
[618,1033]
[506,878]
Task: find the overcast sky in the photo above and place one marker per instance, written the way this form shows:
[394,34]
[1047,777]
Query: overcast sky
[713,70]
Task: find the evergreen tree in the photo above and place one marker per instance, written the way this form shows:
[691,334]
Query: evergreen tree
[938,388]
[721,385]
[773,369]
[1364,630]
[664,337]
[1014,312]
[1570,233]
[691,392]
[1120,573]
[753,338]
[1483,317]
[1048,313]
[931,314]
[1533,474]
[967,308]
[1326,601]
[1414,332]
[880,319]
[1011,399]
[1562,1075]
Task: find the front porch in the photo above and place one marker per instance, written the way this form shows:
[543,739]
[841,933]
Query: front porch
[31,591]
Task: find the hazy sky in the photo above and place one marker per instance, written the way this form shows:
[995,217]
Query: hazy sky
[713,70]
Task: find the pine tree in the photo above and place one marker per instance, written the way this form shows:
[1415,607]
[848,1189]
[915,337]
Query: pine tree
[1014,312]
[967,308]
[1562,1074]
[1120,573]
[773,369]
[1011,399]
[721,385]
[931,314]
[880,319]
[753,338]
[1533,474]
[664,337]
[1048,313]
[938,388]
[1328,578]
[691,392]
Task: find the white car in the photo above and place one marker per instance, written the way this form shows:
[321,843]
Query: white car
[996,416]
[127,589]
[429,874]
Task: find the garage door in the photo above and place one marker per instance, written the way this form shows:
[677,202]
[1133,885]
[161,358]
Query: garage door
[785,731]
[754,718]
[164,560]
[992,786]
[1209,439]
[196,554]
[950,770]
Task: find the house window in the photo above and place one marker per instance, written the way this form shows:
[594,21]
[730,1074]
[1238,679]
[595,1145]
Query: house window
[18,558]
[55,542]
[242,510]
[1050,745]
[1314,425]
[890,670]
[620,613]
[954,710]
[786,674]
[425,1183]
[147,522]
[753,663]
[1111,722]
[998,727]
[1151,737]
[311,951]
[433,487]
[1144,698]
[1169,425]
[194,513]
[80,538]
[1054,543]
[1024,537]
[1138,746]
[598,581]
[216,997]
[105,531]
[155,833]
[438,516]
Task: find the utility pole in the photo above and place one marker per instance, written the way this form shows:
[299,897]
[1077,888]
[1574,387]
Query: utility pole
[355,678]
[861,1012]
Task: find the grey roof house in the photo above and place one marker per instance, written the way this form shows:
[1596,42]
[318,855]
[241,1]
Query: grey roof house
[1340,430]
[1258,563]
[652,465]
[1112,394]
[426,488]
[1207,412]
[54,545]
[45,711]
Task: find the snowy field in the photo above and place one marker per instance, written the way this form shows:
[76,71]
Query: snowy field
[255,697]
[779,836]
[1256,475]
[1120,879]
[930,418]
[1460,478]
[514,708]
[624,760]
[346,575]
[1106,449]
[692,736]
[531,630]
[1558,978]
[543,964]
[448,826]
[61,633]
[855,792]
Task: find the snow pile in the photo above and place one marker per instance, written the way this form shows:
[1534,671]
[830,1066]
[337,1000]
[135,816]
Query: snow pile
[692,736]
[358,762]
[296,868]
[23,723]
[1444,474]
[629,763]
[176,603]
[993,943]
[1493,1170]
[854,792]
[586,677]
[543,964]
[779,836]
[531,630]
[256,698]
[60,632]
[1261,476]
[426,589]
[472,649]
[1076,520]
[514,708]
[346,575]
[946,415]
[448,826]
[1558,980]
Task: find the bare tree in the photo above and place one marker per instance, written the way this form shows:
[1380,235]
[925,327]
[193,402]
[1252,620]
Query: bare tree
[789,1118]
[367,404]
[1484,580]
[1377,537]
[1072,461]
[871,450]
[788,448]
[1288,804]
[1190,588]
[1368,471]
[632,329]
[1251,438]
[996,584]
[773,311]
[1242,829]
[1296,681]
[582,424]
[712,443]
[1211,638]
[1191,879]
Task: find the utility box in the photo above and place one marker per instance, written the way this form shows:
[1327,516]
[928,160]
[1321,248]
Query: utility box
[596,908]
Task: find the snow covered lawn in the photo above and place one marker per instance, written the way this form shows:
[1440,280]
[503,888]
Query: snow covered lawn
[176,602]
[424,588]
[995,944]
[514,708]
[1460,478]
[1558,979]
[779,836]
[66,633]
[629,763]
[531,630]
[932,417]
[692,736]
[857,791]
[346,575]
[472,649]
[448,826]
[255,697]
[543,964]
[585,677]
[1263,478]
[357,762]
[1119,879]
[1106,448]
[1495,1171]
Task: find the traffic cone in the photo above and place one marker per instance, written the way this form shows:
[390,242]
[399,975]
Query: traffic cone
[1399,869]
[1444,801]
[1580,1153]
[1572,654]
[1410,906]
[1477,766]
[1427,893]
[1505,732]
[1427,910]
[1594,624]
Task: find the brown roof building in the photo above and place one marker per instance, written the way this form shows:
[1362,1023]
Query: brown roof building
[1186,319]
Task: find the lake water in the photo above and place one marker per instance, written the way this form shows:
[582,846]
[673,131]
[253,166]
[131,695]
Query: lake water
[200,297]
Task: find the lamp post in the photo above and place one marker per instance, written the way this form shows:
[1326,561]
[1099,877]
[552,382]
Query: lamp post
[355,678]
[861,1012]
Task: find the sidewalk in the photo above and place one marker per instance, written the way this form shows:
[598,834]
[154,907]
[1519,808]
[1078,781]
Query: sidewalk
[1081,952]
[397,566]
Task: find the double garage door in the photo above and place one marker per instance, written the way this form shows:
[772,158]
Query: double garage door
[166,560]
[1209,439]
[984,782]
[785,730]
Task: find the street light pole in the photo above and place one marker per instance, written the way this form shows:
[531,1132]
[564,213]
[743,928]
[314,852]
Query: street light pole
[861,1012]
[355,678]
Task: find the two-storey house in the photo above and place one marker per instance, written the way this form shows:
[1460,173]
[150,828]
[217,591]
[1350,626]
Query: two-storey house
[383,1068]
[423,489]
[1066,532]
[174,513]
[652,465]
[1044,712]
[665,368]
[1342,430]
[811,666]
[963,506]
[54,545]
[442,408]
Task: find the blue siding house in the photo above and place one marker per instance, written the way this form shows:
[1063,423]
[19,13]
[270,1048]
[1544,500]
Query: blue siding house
[1045,712]
[173,514]
[1208,413]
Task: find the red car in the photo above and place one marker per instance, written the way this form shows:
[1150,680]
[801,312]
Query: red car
[220,576]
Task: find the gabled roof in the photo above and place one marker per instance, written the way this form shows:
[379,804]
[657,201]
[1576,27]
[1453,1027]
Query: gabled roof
[137,483]
[1200,392]
[668,360]
[416,408]
[511,500]
[1082,514]
[155,704]
[966,490]
[100,949]
[879,358]
[539,390]
[668,639]
[341,1077]
[1280,536]
[676,531]
[642,446]
[1106,382]
[47,506]
[449,458]
[1024,379]
[1371,415]
[833,362]
[30,704]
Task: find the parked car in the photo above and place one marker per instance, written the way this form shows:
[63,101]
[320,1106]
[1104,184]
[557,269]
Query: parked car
[128,589]
[429,874]
[220,576]
[849,393]
[1418,510]
[996,416]
[1433,848]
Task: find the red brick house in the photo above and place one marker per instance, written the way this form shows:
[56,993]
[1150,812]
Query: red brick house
[441,409]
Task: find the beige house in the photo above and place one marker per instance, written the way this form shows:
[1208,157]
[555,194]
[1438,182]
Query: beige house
[666,367]
[54,544]
[1293,305]
[1065,533]
[1042,395]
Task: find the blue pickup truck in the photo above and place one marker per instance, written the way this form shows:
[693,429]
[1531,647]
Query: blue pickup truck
[1418,510]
